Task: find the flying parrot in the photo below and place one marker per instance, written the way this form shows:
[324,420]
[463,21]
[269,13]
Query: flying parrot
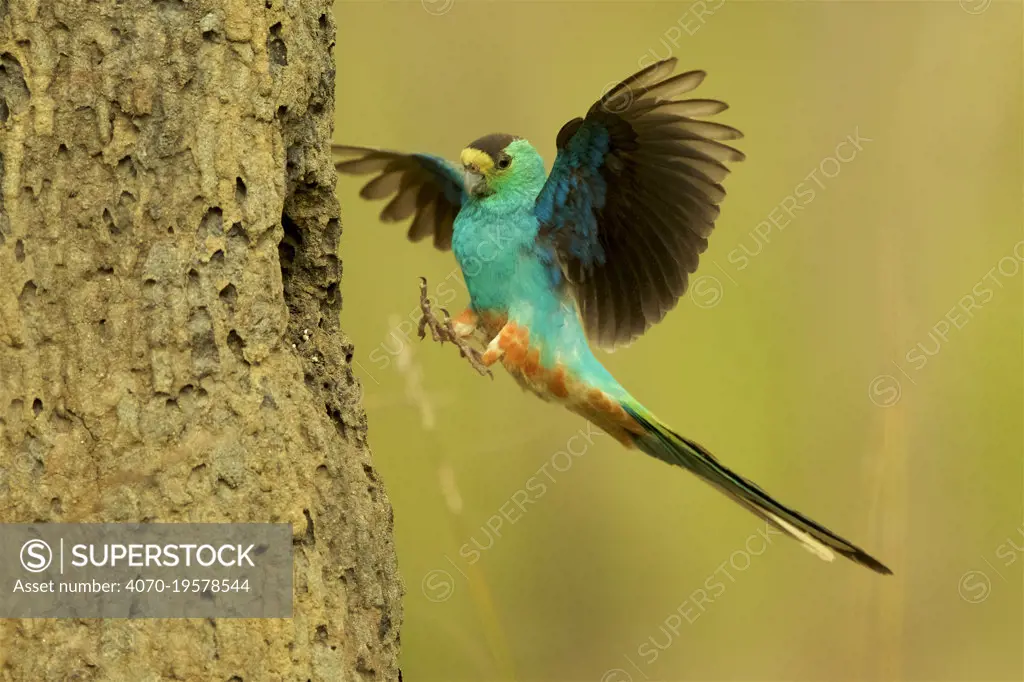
[596,251]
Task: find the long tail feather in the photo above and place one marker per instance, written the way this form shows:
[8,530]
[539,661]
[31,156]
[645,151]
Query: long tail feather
[665,444]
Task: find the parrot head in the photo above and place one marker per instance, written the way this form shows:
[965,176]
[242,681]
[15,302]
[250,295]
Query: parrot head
[502,165]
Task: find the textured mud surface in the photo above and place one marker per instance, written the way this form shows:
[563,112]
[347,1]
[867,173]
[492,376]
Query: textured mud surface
[169,341]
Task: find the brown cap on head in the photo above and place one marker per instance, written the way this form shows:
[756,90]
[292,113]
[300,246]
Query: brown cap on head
[493,144]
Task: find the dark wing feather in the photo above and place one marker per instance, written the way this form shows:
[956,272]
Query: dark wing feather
[424,187]
[632,198]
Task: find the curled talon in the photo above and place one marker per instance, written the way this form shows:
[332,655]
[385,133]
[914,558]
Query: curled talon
[444,330]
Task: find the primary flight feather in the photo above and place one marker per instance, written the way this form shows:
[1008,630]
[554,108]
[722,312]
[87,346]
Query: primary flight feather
[596,251]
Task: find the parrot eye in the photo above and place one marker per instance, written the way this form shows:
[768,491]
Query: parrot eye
[504,162]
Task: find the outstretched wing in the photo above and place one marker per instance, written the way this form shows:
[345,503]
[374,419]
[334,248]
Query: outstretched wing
[425,186]
[632,198]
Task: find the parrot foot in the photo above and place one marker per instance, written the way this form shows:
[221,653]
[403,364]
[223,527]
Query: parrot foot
[493,353]
[443,330]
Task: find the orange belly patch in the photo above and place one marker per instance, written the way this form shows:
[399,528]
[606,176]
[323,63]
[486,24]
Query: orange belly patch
[523,362]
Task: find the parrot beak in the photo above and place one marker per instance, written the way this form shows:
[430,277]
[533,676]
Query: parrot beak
[476,166]
[476,183]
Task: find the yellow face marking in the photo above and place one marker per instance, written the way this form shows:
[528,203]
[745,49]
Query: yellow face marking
[475,157]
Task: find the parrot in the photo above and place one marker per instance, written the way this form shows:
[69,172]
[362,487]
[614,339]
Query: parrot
[592,253]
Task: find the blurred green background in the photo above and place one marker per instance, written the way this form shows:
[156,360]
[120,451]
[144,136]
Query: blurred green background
[858,353]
